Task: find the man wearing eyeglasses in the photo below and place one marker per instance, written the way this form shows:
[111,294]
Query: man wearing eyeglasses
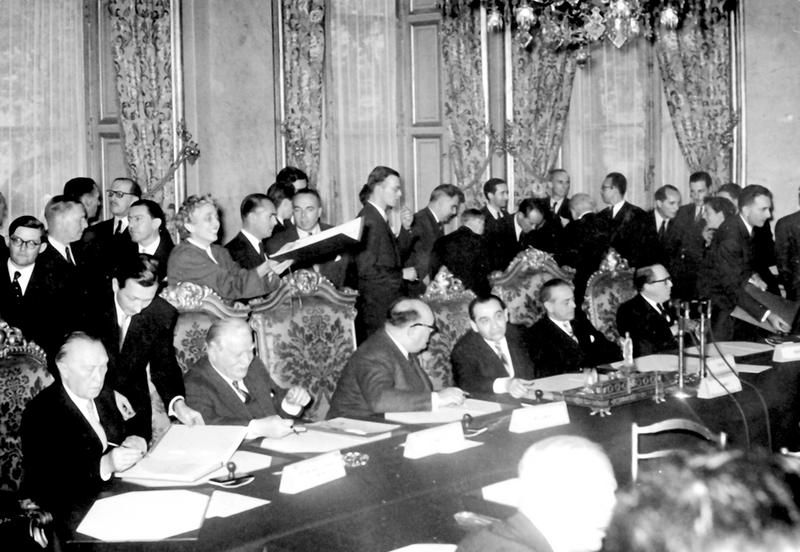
[647,317]
[384,375]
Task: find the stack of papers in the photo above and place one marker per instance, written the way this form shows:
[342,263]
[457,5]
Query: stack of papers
[245,460]
[353,427]
[313,441]
[446,414]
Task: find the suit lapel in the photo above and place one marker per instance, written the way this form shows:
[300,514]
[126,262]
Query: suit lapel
[224,390]
[79,421]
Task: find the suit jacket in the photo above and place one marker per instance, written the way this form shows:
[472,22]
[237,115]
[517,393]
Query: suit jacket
[378,379]
[424,233]
[764,256]
[649,330]
[211,395]
[728,267]
[60,450]
[243,252]
[515,534]
[148,341]
[189,263]
[557,353]
[563,211]
[476,365]
[466,255]
[787,252]
[503,243]
[688,253]
[492,224]
[584,242]
[379,268]
[547,237]
[623,228]
[161,254]
[333,267]
[103,248]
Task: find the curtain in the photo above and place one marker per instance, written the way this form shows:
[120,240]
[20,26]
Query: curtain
[363,127]
[42,121]
[464,105]
[303,77]
[542,84]
[142,53]
[617,122]
[696,72]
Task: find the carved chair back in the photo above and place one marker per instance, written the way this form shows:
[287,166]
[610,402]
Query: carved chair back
[606,290]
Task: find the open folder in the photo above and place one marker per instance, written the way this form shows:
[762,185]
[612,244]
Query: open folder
[322,244]
[187,453]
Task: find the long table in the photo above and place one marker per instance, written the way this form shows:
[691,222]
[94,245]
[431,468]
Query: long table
[393,501]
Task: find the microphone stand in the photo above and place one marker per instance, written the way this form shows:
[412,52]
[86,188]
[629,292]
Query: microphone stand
[684,312]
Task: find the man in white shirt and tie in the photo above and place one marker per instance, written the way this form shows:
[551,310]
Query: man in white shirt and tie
[559,196]
[146,225]
[231,386]
[494,356]
[73,437]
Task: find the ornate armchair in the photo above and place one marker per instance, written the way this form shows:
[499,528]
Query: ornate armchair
[23,373]
[198,306]
[519,285]
[305,334]
[449,300]
[606,290]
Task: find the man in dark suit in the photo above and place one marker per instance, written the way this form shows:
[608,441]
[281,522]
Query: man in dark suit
[381,275]
[657,236]
[146,224]
[281,194]
[561,341]
[584,242]
[294,176]
[690,244]
[787,251]
[384,375]
[647,317]
[464,253]
[73,437]
[729,266]
[621,217]
[85,190]
[230,386]
[558,190]
[525,228]
[552,472]
[258,221]
[307,210]
[495,190]
[428,226]
[493,357]
[136,328]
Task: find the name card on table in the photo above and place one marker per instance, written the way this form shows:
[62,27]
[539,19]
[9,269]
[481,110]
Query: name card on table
[721,380]
[786,352]
[445,438]
[540,416]
[311,473]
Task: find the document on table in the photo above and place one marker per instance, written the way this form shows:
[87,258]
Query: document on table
[560,382]
[752,368]
[313,441]
[146,516]
[353,427]
[245,460]
[225,504]
[427,547]
[187,453]
[446,414]
[734,348]
[503,492]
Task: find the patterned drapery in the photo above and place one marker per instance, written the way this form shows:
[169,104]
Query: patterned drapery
[142,53]
[464,106]
[542,88]
[696,72]
[303,77]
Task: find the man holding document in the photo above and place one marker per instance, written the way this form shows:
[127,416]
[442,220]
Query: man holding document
[73,436]
[230,386]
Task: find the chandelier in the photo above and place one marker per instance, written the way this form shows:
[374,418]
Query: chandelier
[579,24]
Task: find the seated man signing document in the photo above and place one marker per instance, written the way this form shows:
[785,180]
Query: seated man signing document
[383,375]
[232,387]
[73,436]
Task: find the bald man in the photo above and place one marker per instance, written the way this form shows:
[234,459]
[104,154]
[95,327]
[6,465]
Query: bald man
[551,474]
[383,375]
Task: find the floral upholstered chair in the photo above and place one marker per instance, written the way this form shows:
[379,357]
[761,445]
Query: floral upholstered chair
[23,373]
[606,290]
[519,285]
[449,301]
[305,335]
[198,307]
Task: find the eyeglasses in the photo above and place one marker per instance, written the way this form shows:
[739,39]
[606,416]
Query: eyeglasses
[118,194]
[665,280]
[28,244]
[434,328]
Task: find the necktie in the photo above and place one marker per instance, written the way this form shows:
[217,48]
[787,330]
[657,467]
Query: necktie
[261,252]
[70,260]
[243,394]
[123,329]
[663,312]
[119,228]
[503,358]
[16,286]
[412,359]
[662,230]
[568,328]
[94,421]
